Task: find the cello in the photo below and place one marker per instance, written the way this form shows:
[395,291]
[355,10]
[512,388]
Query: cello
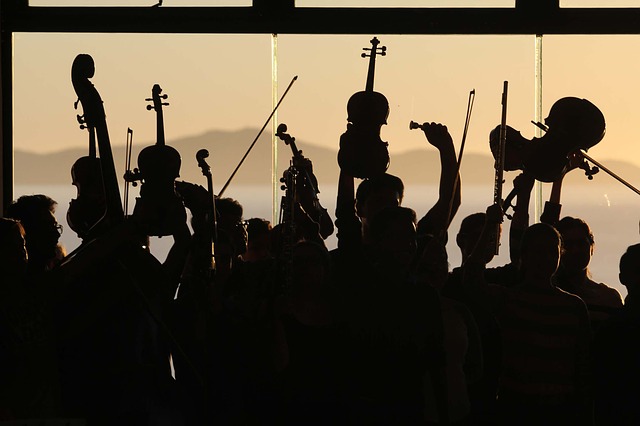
[159,205]
[362,153]
[86,175]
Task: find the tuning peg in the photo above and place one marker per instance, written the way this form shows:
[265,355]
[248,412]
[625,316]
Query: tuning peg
[165,103]
[165,96]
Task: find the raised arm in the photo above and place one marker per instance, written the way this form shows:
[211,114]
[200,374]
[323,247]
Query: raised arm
[523,184]
[436,221]
[349,226]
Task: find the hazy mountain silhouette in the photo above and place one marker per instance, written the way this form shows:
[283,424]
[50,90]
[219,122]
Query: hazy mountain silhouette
[226,149]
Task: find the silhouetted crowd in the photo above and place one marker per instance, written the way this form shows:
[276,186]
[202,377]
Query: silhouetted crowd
[252,323]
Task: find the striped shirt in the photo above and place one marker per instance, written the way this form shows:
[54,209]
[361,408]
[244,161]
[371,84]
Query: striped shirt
[546,335]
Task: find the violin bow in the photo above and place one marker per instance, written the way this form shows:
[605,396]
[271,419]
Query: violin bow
[456,181]
[256,139]
[127,167]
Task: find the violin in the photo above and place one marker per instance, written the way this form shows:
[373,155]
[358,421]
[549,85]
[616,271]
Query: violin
[159,205]
[86,175]
[362,153]
[94,220]
[573,124]
[301,163]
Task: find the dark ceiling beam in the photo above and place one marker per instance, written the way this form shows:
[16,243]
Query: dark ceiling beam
[527,18]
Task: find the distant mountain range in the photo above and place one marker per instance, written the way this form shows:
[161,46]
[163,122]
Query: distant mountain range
[226,149]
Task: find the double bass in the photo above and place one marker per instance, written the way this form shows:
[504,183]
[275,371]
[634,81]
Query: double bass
[159,205]
[362,152]
[93,117]
[86,175]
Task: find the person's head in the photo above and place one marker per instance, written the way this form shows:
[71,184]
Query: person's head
[630,269]
[577,243]
[258,240]
[36,213]
[376,193]
[393,237]
[230,219]
[541,246]
[13,251]
[469,234]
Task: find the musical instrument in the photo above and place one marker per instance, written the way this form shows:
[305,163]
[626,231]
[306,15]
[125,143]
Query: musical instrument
[128,173]
[287,226]
[159,206]
[499,165]
[573,124]
[301,163]
[362,153]
[293,80]
[82,70]
[414,125]
[86,175]
[201,156]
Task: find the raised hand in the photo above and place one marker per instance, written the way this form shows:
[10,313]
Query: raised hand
[437,135]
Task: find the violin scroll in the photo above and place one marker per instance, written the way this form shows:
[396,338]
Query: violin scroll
[202,163]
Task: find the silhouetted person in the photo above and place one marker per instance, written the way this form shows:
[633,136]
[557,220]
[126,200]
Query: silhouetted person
[616,353]
[230,219]
[258,240]
[29,382]
[36,213]
[312,343]
[460,340]
[390,321]
[483,392]
[574,275]
[579,243]
[546,335]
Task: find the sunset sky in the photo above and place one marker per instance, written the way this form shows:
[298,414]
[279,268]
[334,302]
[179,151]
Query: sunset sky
[224,82]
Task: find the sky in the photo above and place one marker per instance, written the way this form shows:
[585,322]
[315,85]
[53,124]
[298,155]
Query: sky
[225,82]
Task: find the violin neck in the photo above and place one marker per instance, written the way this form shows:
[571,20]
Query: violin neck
[160,128]
[294,148]
[372,71]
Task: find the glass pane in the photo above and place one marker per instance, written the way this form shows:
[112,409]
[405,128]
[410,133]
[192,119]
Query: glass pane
[603,70]
[599,3]
[406,3]
[141,3]
[425,79]
[218,100]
